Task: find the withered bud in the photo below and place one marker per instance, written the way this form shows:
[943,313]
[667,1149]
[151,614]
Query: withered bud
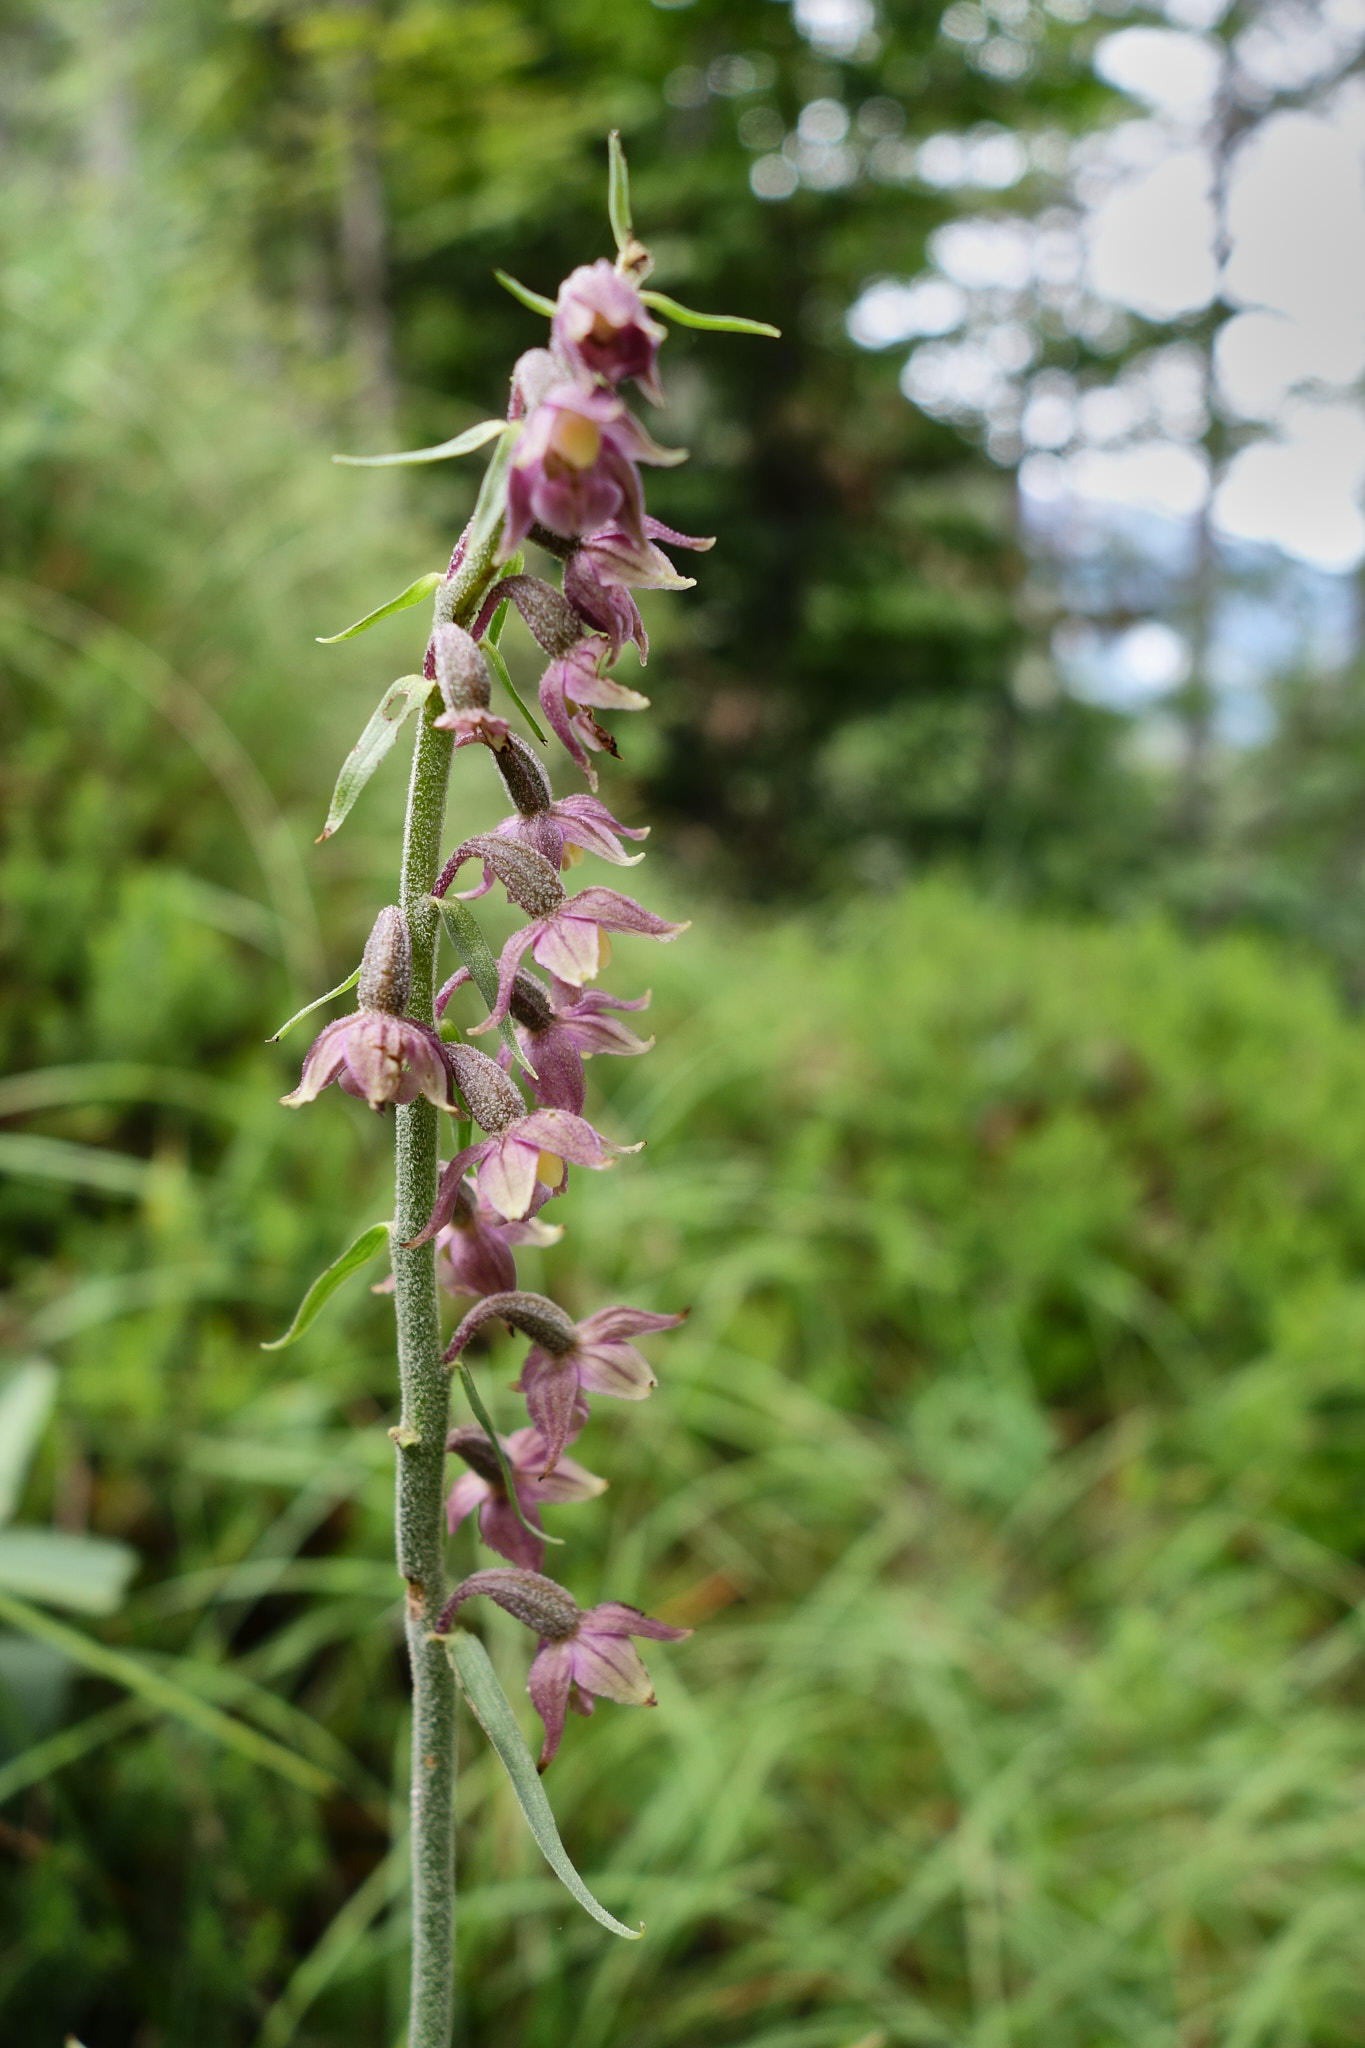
[493,1101]
[471,1443]
[530,880]
[549,616]
[536,1601]
[530,1004]
[460,669]
[538,1318]
[386,966]
[523,777]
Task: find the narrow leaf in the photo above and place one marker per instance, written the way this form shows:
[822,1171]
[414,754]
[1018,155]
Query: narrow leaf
[162,1693]
[479,1683]
[533,300]
[89,1166]
[462,929]
[492,499]
[25,1403]
[618,192]
[64,1569]
[43,1759]
[398,701]
[316,1004]
[462,444]
[509,1484]
[710,323]
[327,1283]
[414,594]
[499,667]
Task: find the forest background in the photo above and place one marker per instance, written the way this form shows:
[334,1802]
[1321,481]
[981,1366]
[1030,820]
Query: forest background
[1005,1131]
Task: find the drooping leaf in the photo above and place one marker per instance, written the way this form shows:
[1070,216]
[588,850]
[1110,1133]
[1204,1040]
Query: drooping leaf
[316,1004]
[479,1683]
[492,499]
[162,1692]
[396,704]
[327,1283]
[462,444]
[710,323]
[509,1485]
[528,298]
[414,594]
[618,192]
[499,668]
[63,1569]
[26,1398]
[89,1166]
[462,929]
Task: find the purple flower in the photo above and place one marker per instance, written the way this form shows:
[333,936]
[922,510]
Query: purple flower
[574,468]
[601,325]
[601,572]
[583,1655]
[474,1250]
[482,1488]
[560,829]
[520,1154]
[569,687]
[377,1054]
[571,941]
[558,1028]
[567,1360]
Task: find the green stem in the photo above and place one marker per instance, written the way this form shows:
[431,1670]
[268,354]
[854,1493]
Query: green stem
[425,1382]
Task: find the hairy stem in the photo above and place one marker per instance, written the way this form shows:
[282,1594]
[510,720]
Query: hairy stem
[425,1384]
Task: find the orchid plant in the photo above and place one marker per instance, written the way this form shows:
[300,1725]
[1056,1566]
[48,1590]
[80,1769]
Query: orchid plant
[565,477]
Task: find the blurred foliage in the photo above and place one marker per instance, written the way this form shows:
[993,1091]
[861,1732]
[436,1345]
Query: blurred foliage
[1010,1455]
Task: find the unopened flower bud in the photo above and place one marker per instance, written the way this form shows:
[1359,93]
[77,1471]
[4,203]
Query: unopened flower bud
[386,966]
[523,777]
[460,669]
[470,1442]
[538,1602]
[493,1101]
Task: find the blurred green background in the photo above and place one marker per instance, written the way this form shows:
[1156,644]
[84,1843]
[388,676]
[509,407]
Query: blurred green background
[1010,1463]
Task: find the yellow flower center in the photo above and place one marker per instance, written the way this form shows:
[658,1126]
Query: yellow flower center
[549,1169]
[576,440]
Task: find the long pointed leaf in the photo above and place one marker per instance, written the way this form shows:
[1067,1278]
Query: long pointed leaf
[462,444]
[414,594]
[462,929]
[509,1484]
[499,668]
[479,1683]
[165,1695]
[327,1283]
[88,1166]
[64,1569]
[316,1004]
[532,300]
[396,704]
[710,323]
[491,502]
[25,1403]
[618,192]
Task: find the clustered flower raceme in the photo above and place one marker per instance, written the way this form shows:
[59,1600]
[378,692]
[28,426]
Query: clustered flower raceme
[574,489]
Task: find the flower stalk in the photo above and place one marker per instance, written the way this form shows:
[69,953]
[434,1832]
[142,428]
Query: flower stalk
[565,475]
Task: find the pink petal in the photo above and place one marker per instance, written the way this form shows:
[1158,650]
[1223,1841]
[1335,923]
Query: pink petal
[325,1058]
[507,1175]
[464,1496]
[570,947]
[548,1684]
[502,1532]
[552,1401]
[618,913]
[620,1321]
[615,1368]
[610,1666]
[615,1617]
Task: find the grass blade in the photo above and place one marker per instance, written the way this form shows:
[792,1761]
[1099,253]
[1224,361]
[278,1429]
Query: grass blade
[479,1683]
[327,1283]
[462,444]
[414,594]
[87,1166]
[165,1695]
[25,1403]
